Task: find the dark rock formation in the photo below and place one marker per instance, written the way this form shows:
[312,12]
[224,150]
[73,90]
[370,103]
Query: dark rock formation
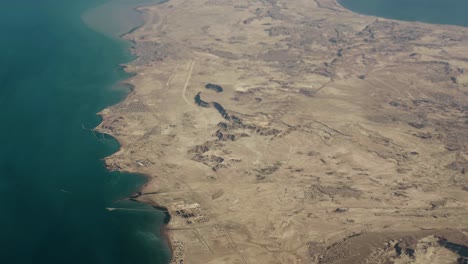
[214,87]
[200,102]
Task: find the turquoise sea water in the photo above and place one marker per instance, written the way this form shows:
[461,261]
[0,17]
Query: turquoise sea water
[453,12]
[56,73]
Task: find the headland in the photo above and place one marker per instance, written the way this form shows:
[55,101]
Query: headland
[326,136]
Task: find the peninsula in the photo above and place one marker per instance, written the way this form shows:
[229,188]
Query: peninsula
[298,132]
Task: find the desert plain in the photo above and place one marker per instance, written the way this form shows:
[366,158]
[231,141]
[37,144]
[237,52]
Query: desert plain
[298,132]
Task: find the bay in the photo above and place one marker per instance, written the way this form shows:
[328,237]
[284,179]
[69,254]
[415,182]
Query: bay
[452,12]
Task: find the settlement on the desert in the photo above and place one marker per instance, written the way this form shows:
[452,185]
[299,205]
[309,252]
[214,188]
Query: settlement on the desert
[296,131]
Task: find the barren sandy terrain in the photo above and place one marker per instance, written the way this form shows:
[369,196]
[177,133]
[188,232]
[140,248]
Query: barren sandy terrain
[298,132]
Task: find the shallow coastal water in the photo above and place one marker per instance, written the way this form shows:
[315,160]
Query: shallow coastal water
[451,12]
[115,17]
[56,73]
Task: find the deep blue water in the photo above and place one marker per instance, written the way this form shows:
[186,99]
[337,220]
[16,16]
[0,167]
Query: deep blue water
[453,12]
[56,73]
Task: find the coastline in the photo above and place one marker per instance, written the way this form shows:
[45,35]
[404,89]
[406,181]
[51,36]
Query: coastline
[166,231]
[163,230]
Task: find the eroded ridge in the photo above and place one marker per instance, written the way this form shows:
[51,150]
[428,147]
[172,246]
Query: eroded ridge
[336,138]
